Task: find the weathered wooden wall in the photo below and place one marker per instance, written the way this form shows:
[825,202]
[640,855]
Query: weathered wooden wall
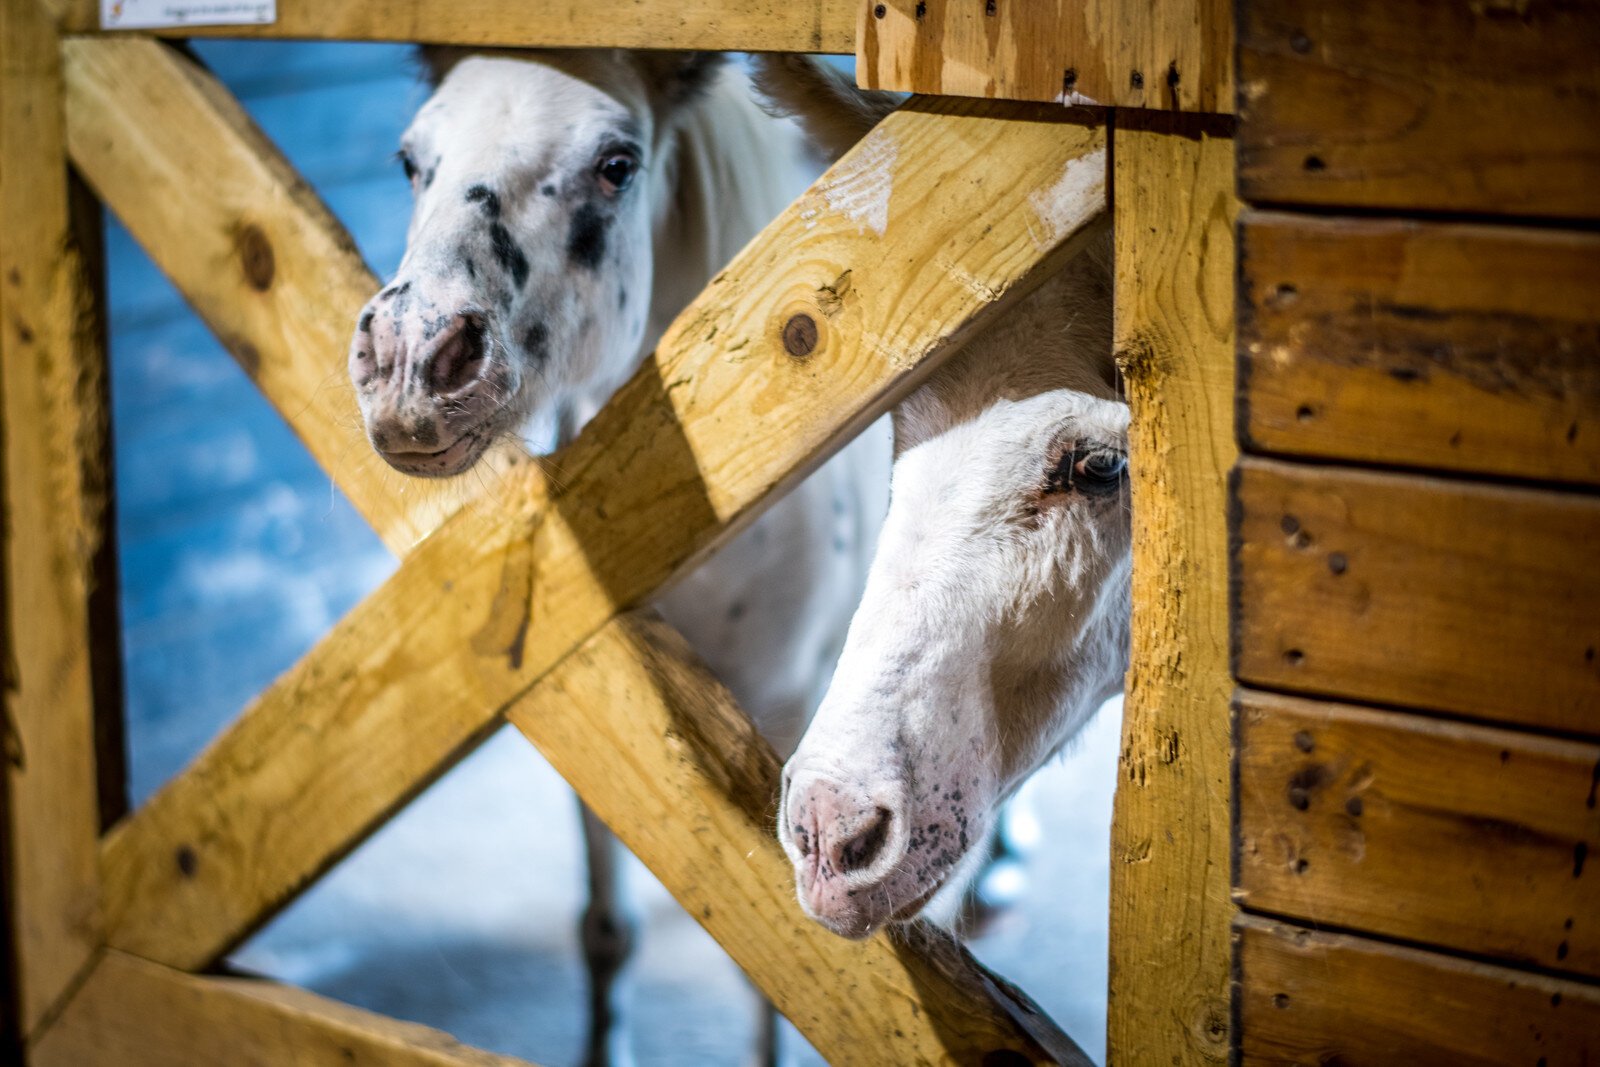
[1413,523]
[1169,55]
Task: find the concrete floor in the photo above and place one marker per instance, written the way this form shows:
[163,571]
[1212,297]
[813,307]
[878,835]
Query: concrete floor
[238,554]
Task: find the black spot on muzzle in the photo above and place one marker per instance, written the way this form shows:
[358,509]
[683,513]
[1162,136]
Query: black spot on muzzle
[586,241]
[507,254]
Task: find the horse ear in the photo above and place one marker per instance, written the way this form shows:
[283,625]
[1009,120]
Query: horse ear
[438,60]
[679,78]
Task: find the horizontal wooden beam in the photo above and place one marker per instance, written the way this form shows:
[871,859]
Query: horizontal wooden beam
[1469,837]
[1426,344]
[718,25]
[1171,55]
[1311,997]
[1454,596]
[1414,105]
[53,422]
[636,724]
[252,248]
[133,1013]
[717,424]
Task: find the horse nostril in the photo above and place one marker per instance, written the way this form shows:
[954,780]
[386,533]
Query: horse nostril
[864,847]
[459,361]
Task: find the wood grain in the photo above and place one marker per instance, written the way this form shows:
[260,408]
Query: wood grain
[133,1013]
[105,583]
[1458,596]
[1170,54]
[1468,837]
[1412,105]
[1169,839]
[52,371]
[1469,348]
[720,25]
[717,424]
[1316,998]
[636,724]
[143,124]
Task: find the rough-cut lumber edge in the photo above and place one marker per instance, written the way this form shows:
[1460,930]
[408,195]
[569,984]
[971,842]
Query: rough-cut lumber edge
[133,1013]
[1472,598]
[719,25]
[254,251]
[1473,838]
[1304,996]
[636,724]
[105,586]
[53,430]
[1413,105]
[1172,55]
[1426,344]
[1174,206]
[685,454]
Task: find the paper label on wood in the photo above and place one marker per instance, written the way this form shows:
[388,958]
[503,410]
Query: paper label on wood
[158,14]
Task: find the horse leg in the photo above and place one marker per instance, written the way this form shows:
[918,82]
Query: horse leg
[607,933]
[766,1052]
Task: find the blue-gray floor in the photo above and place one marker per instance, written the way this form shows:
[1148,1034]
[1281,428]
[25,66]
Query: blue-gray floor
[237,554]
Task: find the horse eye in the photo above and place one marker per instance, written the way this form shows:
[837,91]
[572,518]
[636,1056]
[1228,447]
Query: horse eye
[616,172]
[1098,472]
[1092,471]
[407,165]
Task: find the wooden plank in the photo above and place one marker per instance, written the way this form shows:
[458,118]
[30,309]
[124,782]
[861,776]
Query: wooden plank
[1169,842]
[1172,54]
[1470,348]
[51,378]
[718,25]
[105,583]
[133,1013]
[1306,997]
[257,254]
[1412,105]
[686,453]
[1457,596]
[636,724]
[1468,837]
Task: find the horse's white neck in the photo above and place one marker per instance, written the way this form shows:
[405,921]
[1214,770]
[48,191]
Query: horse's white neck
[732,170]
[723,170]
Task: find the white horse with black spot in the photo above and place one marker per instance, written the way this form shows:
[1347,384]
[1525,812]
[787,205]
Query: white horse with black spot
[567,206]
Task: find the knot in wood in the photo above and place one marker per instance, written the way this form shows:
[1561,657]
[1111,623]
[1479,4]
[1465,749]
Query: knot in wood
[256,257]
[800,335]
[186,860]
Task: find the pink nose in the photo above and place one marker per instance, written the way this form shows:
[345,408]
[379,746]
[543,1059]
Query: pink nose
[444,355]
[843,840]
[837,832]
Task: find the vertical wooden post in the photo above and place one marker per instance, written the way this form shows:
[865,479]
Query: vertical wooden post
[52,406]
[1173,198]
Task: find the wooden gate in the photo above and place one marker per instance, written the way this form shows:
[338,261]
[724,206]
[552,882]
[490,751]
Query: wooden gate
[521,603]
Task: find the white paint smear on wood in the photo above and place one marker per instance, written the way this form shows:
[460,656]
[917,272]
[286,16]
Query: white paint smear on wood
[860,191]
[1078,193]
